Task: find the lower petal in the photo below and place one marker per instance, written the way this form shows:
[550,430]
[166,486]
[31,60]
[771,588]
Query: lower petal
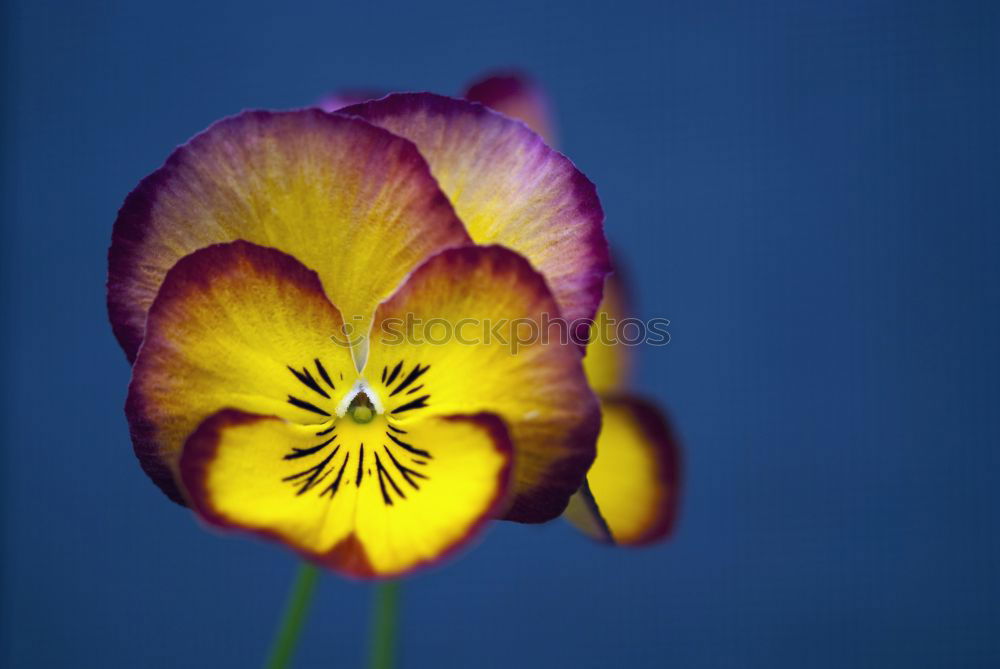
[369,509]
[634,484]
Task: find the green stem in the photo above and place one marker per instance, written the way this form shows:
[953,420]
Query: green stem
[384,624]
[283,646]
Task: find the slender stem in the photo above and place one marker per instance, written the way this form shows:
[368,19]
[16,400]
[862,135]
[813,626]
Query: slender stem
[283,646]
[384,625]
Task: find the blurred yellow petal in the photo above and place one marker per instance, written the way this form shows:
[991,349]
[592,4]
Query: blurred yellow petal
[635,480]
[608,363]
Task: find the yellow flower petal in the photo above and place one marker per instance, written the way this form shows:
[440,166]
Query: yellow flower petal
[635,480]
[235,326]
[462,335]
[608,364]
[346,496]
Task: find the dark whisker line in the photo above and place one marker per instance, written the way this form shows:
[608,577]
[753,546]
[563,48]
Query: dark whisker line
[418,403]
[414,389]
[405,471]
[304,472]
[361,465]
[326,431]
[381,482]
[409,447]
[415,374]
[307,380]
[322,372]
[397,430]
[295,401]
[335,486]
[382,470]
[302,452]
[312,473]
[313,481]
[395,372]
[384,370]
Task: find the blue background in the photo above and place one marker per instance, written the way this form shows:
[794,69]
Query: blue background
[809,191]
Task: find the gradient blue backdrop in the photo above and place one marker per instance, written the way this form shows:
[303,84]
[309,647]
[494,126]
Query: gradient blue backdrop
[809,191]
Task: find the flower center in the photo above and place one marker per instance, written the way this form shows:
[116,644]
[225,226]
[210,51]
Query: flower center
[369,446]
[361,409]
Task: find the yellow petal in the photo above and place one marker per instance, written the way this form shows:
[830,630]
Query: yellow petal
[235,326]
[608,363]
[346,496]
[635,480]
[457,338]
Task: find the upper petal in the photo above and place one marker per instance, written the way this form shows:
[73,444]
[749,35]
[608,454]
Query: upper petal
[352,201]
[509,188]
[234,326]
[467,333]
[634,484]
[518,96]
[337,100]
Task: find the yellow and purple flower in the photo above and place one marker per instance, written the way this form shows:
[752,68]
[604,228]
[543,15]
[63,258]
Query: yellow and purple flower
[259,282]
[234,268]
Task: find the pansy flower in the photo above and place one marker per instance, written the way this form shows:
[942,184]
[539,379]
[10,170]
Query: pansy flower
[273,283]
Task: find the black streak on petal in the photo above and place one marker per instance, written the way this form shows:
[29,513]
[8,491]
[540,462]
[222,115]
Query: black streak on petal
[302,452]
[408,447]
[384,473]
[333,487]
[415,374]
[302,404]
[361,466]
[307,380]
[405,471]
[418,403]
[395,373]
[322,372]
